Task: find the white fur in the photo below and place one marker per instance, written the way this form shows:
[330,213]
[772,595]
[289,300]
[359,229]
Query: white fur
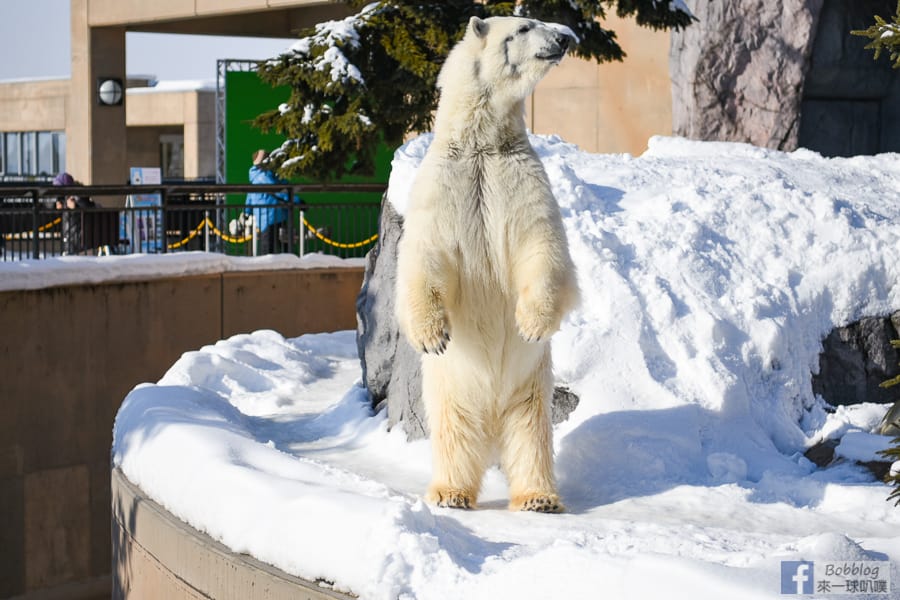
[484,272]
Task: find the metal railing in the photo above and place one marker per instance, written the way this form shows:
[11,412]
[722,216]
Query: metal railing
[180,217]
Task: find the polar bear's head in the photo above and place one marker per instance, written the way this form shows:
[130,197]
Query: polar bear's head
[504,56]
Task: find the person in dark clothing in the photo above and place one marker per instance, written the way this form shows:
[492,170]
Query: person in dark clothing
[73,215]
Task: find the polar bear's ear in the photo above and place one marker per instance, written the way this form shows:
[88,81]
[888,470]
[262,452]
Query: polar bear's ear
[478,26]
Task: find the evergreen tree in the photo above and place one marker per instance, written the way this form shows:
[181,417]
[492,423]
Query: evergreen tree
[892,418]
[885,37]
[370,78]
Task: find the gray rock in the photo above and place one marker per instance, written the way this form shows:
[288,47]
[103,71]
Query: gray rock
[563,403]
[856,359]
[890,424]
[390,366]
[738,72]
[783,74]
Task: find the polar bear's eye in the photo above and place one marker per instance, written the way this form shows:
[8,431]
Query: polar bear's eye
[524,29]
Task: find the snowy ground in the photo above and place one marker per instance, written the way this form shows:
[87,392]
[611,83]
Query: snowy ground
[710,273]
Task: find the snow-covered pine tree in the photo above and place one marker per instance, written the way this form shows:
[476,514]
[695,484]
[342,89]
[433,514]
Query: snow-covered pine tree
[370,78]
[885,37]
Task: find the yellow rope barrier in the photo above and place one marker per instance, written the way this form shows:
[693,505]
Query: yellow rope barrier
[331,242]
[24,235]
[208,223]
[51,224]
[196,231]
[225,236]
[240,240]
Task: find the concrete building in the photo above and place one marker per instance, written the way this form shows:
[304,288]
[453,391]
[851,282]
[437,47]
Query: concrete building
[61,124]
[171,126]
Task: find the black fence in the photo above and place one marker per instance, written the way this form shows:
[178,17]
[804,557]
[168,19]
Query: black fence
[35,222]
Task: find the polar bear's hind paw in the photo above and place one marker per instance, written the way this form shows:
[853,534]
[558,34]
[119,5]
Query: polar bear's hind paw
[543,503]
[449,498]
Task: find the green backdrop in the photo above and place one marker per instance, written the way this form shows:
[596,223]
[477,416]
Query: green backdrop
[246,97]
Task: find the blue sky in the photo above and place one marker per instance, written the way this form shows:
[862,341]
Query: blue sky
[36,34]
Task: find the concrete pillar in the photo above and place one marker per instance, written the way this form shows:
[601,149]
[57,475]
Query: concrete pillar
[95,134]
[199,135]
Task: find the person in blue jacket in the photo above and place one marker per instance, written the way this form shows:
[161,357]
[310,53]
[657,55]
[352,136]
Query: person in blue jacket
[268,220]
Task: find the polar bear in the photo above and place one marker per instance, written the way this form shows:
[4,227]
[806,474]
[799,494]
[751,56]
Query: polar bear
[484,275]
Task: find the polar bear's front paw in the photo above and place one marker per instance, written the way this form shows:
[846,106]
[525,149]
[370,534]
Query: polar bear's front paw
[545,503]
[450,498]
[431,334]
[535,324]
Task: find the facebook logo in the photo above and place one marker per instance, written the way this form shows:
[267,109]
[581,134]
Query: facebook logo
[796,577]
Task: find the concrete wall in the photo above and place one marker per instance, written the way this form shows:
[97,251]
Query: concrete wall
[143,146]
[43,106]
[34,105]
[278,18]
[191,113]
[156,556]
[611,107]
[95,135]
[68,357]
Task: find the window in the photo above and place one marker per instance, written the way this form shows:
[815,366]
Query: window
[11,150]
[28,153]
[32,153]
[59,151]
[171,155]
[46,163]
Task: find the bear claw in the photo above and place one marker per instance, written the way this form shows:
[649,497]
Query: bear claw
[534,326]
[439,346]
[531,339]
[543,504]
[452,499]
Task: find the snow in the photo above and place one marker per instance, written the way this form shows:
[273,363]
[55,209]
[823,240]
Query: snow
[176,85]
[862,446]
[710,273]
[16,80]
[338,66]
[72,270]
[335,36]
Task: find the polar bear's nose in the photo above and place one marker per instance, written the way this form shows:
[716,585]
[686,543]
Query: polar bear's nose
[563,42]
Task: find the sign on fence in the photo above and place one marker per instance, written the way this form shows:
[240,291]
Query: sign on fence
[143,228]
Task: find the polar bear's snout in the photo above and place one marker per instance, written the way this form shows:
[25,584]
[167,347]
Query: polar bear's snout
[556,49]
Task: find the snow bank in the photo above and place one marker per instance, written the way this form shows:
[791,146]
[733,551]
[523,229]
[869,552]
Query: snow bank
[710,273]
[77,270]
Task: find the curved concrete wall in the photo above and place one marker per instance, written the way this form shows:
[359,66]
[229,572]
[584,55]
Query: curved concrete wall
[70,354]
[155,556]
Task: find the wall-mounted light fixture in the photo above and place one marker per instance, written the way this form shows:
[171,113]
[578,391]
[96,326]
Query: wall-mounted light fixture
[110,91]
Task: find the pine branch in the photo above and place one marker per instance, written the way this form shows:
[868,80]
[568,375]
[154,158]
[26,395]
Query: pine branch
[885,37]
[892,454]
[370,79]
